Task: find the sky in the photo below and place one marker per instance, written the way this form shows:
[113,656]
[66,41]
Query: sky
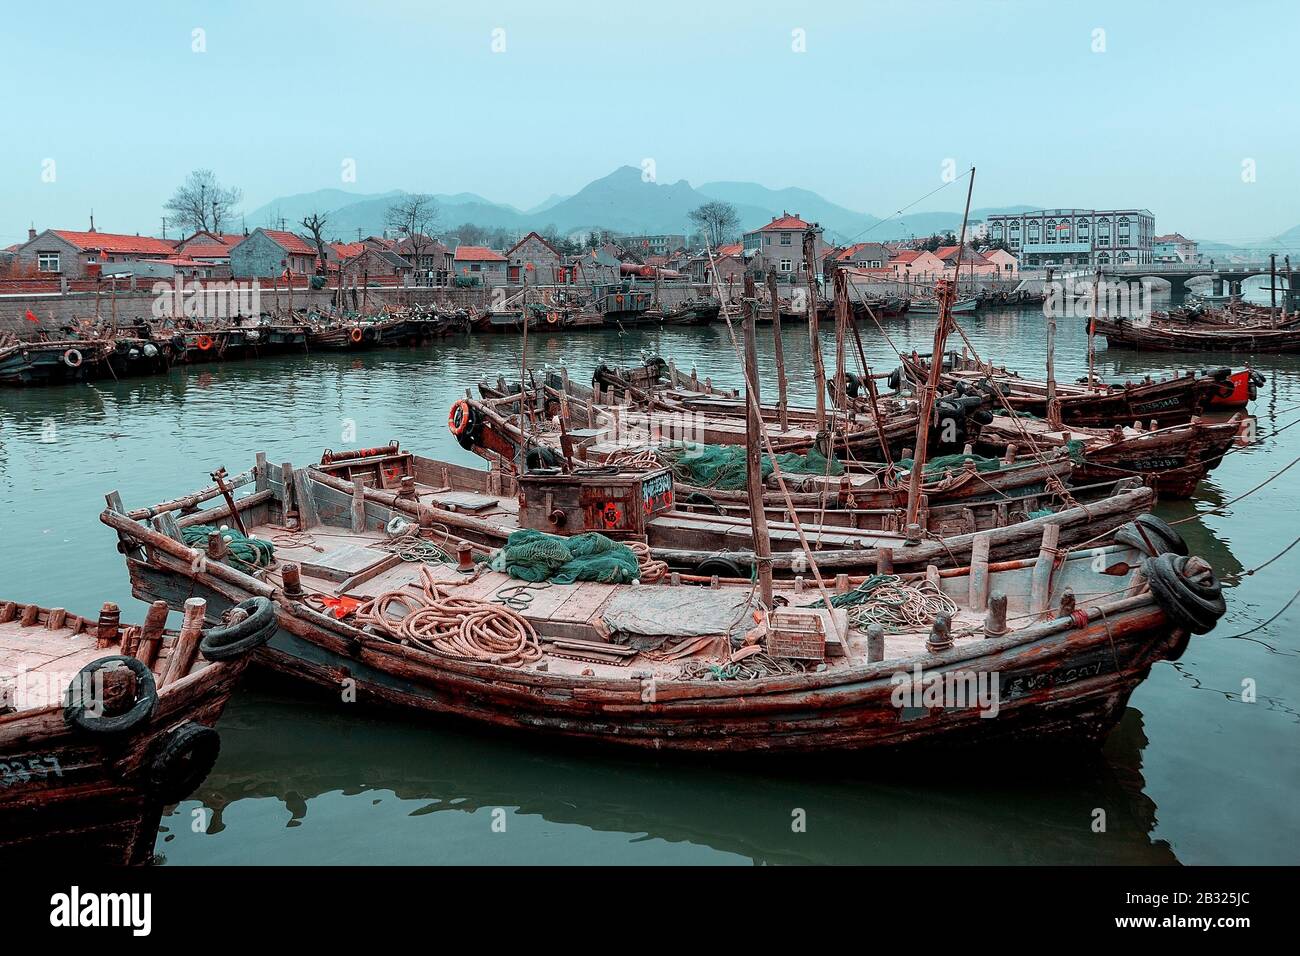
[1187,109]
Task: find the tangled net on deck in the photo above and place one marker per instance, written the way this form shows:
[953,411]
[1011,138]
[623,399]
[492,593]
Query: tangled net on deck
[460,627]
[752,667]
[533,556]
[246,554]
[885,600]
[723,466]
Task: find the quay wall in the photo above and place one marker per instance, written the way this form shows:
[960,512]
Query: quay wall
[55,308]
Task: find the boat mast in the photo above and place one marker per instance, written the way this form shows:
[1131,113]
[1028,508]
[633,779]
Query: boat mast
[819,368]
[946,291]
[1053,410]
[753,454]
[1092,327]
[780,354]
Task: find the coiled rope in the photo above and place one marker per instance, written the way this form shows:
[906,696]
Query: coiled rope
[458,627]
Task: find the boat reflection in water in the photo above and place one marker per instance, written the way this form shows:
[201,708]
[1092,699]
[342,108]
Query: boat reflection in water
[290,764]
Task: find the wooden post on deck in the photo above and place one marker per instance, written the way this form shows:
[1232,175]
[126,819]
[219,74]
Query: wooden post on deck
[358,504]
[1053,410]
[753,455]
[1041,579]
[187,643]
[781,385]
[155,619]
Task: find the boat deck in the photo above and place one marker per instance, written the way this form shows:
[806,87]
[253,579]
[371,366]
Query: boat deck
[586,611]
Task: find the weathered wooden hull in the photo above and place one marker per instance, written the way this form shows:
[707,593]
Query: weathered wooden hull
[1058,683]
[99,806]
[1169,338]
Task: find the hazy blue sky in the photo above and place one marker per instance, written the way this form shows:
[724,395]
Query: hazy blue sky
[885,92]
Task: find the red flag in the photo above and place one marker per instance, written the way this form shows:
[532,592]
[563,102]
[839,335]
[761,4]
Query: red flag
[31,316]
[103,254]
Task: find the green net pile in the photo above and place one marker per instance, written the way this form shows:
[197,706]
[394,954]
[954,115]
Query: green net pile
[534,556]
[936,466]
[246,554]
[723,466]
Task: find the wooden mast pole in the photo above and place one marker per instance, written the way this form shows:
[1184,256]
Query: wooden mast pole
[780,353]
[1053,411]
[753,454]
[946,292]
[814,340]
[1092,326]
[841,291]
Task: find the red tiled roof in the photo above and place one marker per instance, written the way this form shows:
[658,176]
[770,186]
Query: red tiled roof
[348,250]
[907,255]
[116,242]
[207,250]
[968,256]
[478,254]
[291,242]
[847,253]
[730,249]
[785,222]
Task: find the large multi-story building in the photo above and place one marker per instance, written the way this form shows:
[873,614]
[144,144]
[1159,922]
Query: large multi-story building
[1076,237]
[660,245]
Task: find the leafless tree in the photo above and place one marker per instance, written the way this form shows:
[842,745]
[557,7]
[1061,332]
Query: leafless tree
[315,224]
[413,217]
[717,220]
[201,203]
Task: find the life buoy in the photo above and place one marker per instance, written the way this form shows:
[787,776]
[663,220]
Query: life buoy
[72,358]
[227,641]
[83,711]
[183,760]
[204,342]
[355,334]
[552,317]
[460,418]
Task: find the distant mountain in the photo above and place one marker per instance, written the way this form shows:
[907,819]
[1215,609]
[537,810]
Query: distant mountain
[841,224]
[294,208]
[623,202]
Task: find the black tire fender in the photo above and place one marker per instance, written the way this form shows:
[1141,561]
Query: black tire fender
[77,709]
[225,642]
[1148,528]
[184,758]
[722,567]
[1186,590]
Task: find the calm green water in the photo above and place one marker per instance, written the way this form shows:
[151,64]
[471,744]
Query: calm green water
[1193,774]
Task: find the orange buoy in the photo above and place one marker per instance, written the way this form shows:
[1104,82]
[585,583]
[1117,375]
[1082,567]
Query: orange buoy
[204,342]
[458,420]
[355,334]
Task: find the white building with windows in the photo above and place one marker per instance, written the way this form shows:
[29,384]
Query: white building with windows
[779,245]
[1065,238]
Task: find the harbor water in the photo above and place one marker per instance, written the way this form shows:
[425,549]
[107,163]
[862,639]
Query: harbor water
[1203,768]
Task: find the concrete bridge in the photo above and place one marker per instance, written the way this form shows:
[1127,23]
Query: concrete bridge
[1227,275]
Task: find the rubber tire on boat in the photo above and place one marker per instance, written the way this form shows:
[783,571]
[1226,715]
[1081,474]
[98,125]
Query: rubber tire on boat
[540,457]
[895,379]
[852,384]
[183,760]
[700,498]
[1257,377]
[1186,590]
[1161,534]
[146,691]
[226,642]
[722,567]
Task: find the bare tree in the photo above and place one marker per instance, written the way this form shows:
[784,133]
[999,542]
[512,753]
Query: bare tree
[315,224]
[201,203]
[717,220]
[413,217]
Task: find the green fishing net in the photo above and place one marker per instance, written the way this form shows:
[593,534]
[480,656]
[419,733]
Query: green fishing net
[534,556]
[723,466]
[246,554]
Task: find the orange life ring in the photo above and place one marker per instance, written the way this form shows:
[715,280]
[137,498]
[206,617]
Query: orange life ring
[552,317]
[355,334]
[459,418]
[204,342]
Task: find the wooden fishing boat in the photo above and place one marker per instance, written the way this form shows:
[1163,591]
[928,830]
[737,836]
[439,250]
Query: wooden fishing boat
[1172,460]
[931,306]
[1156,336]
[343,336]
[102,725]
[54,361]
[670,665]
[1245,389]
[1168,401]
[486,507]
